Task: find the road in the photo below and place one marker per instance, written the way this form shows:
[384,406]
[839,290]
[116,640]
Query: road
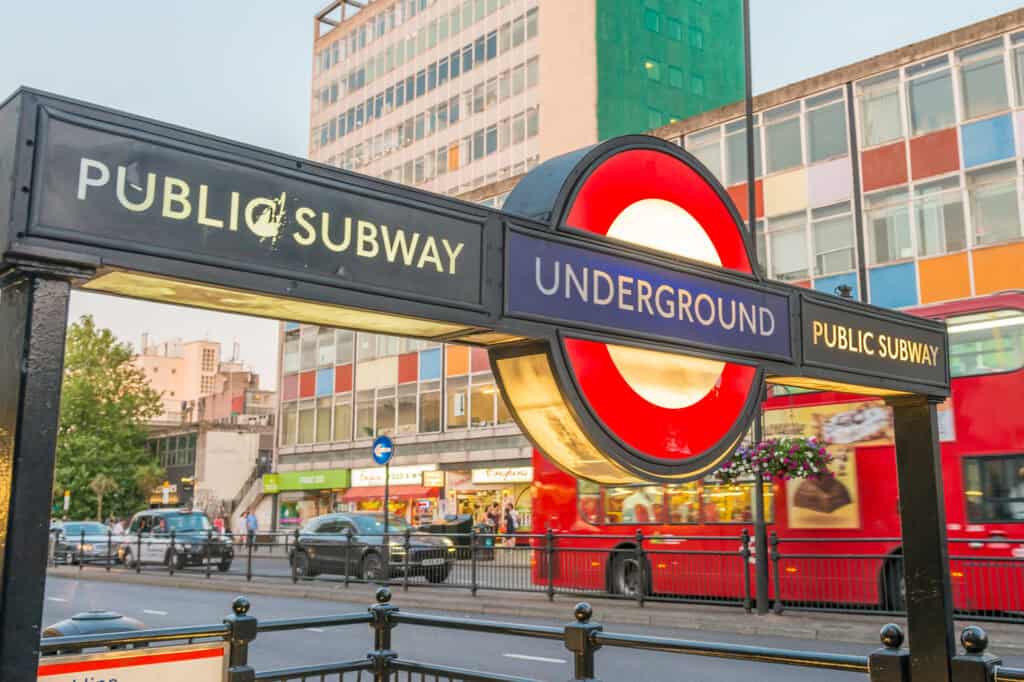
[543,660]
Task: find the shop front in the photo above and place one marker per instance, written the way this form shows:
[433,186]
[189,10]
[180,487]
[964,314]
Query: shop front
[410,494]
[302,495]
[474,490]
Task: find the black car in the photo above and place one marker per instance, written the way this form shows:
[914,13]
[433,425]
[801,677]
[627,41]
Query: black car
[196,541]
[87,541]
[353,544]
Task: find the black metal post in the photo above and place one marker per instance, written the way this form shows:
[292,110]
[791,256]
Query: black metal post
[110,548]
[81,551]
[890,663]
[405,571]
[295,545]
[248,557]
[579,639]
[242,630]
[745,555]
[206,550]
[387,518]
[473,534]
[641,562]
[382,626]
[549,548]
[348,554]
[777,603]
[33,322]
[172,555]
[138,551]
[975,665]
[925,554]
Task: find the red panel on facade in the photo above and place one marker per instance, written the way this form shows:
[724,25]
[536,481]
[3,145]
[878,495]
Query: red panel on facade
[307,384]
[478,361]
[290,387]
[408,367]
[738,194]
[884,166]
[238,404]
[934,153]
[342,378]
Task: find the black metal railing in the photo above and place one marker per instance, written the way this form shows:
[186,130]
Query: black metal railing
[805,574]
[581,637]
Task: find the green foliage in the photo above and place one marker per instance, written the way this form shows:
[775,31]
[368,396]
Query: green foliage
[105,404]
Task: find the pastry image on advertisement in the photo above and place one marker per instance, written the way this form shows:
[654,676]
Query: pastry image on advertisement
[857,425]
[824,495]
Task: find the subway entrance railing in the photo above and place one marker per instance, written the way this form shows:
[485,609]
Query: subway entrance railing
[581,637]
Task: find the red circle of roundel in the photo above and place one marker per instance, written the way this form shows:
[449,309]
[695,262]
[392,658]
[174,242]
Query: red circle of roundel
[664,433]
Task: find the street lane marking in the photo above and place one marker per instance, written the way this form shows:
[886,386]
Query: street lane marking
[314,629]
[535,658]
[56,599]
[154,613]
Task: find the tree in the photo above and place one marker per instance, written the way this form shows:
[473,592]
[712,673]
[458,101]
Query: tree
[148,477]
[101,484]
[105,404]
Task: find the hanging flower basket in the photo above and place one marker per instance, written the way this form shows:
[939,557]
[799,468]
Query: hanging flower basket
[779,459]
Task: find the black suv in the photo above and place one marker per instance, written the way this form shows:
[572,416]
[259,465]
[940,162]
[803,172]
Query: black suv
[353,544]
[148,540]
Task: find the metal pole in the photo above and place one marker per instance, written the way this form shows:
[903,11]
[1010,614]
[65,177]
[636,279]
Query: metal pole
[387,514]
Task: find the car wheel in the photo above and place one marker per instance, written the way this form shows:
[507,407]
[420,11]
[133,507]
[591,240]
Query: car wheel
[224,566]
[894,586]
[175,559]
[627,576]
[437,575]
[302,566]
[129,560]
[373,567]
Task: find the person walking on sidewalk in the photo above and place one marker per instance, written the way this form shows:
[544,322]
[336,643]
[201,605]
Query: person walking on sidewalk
[252,524]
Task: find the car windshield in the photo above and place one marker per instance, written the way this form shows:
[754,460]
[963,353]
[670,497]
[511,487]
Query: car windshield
[87,528]
[374,525]
[188,522]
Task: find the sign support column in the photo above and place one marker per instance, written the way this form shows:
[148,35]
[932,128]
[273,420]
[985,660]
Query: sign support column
[383,450]
[929,600]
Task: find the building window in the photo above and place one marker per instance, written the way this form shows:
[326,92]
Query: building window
[826,126]
[880,116]
[736,151]
[653,118]
[930,95]
[832,231]
[533,72]
[696,84]
[982,79]
[430,407]
[209,360]
[457,402]
[386,411]
[674,28]
[675,77]
[343,417]
[344,340]
[289,423]
[653,69]
[888,225]
[325,347]
[482,400]
[366,346]
[994,489]
[995,212]
[308,348]
[782,137]
[307,417]
[696,38]
[706,146]
[532,23]
[323,420]
[652,20]
[939,210]
[787,240]
[364,414]
[1018,65]
[206,385]
[406,409]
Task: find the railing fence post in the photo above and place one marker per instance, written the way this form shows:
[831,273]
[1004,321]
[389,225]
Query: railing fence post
[777,605]
[54,539]
[641,562]
[250,539]
[745,555]
[382,626]
[890,663]
[974,665]
[348,555]
[294,558]
[110,548]
[206,550]
[172,555]
[138,552]
[405,568]
[549,541]
[81,551]
[473,535]
[579,639]
[242,629]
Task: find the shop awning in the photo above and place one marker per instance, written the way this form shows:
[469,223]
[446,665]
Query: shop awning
[377,492]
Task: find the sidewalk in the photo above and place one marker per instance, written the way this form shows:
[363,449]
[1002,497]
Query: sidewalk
[1006,639]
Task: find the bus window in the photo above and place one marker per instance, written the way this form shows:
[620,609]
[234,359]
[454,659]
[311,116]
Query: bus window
[994,489]
[590,501]
[684,503]
[733,503]
[986,343]
[635,504]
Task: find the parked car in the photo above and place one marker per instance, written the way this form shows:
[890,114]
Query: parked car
[71,546]
[148,540]
[323,546]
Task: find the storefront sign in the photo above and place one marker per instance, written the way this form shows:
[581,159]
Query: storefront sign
[195,663]
[325,479]
[508,475]
[433,479]
[400,475]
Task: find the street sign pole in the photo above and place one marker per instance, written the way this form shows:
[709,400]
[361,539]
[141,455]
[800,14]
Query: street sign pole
[383,450]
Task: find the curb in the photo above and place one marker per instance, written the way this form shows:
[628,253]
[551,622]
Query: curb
[1006,639]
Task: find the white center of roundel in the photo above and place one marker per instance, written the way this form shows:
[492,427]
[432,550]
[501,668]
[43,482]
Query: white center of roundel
[667,380]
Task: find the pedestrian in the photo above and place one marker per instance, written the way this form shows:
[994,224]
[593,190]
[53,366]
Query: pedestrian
[118,527]
[218,523]
[494,516]
[511,523]
[251,526]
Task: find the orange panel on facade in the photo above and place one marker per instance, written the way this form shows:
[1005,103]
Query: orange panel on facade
[453,157]
[934,153]
[408,367]
[342,378]
[307,384]
[738,194]
[456,360]
[945,278]
[998,268]
[805,283]
[884,166]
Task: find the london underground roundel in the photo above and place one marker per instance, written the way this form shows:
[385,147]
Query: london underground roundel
[659,415]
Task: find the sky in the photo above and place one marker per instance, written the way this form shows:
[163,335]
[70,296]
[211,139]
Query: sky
[242,70]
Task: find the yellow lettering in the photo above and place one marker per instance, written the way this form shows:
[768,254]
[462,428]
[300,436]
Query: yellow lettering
[233,213]
[391,248]
[122,196]
[302,216]
[366,240]
[866,341]
[817,329]
[452,254]
[176,194]
[325,233]
[430,254]
[203,218]
[841,338]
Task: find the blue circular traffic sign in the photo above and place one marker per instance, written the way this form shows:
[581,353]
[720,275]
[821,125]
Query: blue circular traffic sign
[383,448]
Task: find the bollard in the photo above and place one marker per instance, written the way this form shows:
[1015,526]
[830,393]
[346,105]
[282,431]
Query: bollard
[348,555]
[891,663]
[206,550]
[640,567]
[472,561]
[295,544]
[974,665]
[579,639]
[171,555]
[745,554]
[110,547]
[777,605]
[248,559]
[242,629]
[549,539]
[382,626]
[405,572]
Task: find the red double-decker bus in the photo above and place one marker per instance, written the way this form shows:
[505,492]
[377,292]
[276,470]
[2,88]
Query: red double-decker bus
[838,541]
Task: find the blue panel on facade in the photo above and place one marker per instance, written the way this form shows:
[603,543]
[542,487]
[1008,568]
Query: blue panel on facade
[829,284]
[430,364]
[893,286]
[988,140]
[325,381]
[289,326]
